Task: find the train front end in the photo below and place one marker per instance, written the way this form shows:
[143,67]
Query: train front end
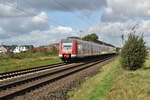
[68,50]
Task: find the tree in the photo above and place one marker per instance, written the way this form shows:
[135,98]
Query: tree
[134,52]
[91,37]
[94,38]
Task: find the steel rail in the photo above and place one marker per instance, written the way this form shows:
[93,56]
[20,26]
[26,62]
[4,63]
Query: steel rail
[55,75]
[29,70]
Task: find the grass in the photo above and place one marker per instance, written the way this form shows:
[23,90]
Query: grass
[131,85]
[114,83]
[96,87]
[17,64]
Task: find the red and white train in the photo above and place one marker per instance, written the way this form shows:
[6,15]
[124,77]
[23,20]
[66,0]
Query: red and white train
[75,48]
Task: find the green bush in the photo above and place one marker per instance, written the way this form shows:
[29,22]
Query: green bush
[54,51]
[3,57]
[134,52]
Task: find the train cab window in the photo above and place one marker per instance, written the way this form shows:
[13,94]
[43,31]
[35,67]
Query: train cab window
[67,47]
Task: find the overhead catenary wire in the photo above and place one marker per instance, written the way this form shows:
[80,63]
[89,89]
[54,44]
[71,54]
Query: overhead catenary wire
[55,22]
[25,13]
[29,14]
[65,7]
[21,10]
[78,16]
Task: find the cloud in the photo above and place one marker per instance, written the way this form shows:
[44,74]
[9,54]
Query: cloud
[41,18]
[45,37]
[27,21]
[7,10]
[14,8]
[61,30]
[111,31]
[20,18]
[19,26]
[66,5]
[120,10]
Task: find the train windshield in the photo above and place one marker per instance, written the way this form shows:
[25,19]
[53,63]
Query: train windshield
[67,47]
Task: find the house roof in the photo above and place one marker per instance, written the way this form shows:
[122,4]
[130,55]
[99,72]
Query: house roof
[3,49]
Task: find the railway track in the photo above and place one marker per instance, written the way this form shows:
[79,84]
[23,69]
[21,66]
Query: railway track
[20,87]
[12,74]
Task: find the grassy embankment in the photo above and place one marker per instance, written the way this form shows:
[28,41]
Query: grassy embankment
[114,83]
[23,61]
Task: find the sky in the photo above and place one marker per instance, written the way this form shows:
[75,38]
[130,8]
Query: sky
[43,22]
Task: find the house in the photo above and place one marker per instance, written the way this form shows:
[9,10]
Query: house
[22,48]
[15,48]
[3,49]
[11,48]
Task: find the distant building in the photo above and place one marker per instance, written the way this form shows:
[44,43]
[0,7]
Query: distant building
[11,48]
[3,49]
[15,48]
[22,48]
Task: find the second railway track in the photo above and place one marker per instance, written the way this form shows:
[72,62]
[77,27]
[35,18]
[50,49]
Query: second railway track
[16,88]
[12,74]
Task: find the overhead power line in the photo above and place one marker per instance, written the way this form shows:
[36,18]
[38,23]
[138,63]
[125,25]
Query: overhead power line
[65,7]
[27,14]
[52,21]
[35,14]
[8,3]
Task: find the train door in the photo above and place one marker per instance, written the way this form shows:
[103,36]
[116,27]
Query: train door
[80,49]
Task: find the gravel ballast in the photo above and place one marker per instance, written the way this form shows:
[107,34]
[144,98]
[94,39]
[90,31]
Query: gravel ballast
[58,90]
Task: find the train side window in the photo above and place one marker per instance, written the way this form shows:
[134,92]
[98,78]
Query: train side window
[79,46]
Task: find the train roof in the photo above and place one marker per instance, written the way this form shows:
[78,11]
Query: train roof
[72,39]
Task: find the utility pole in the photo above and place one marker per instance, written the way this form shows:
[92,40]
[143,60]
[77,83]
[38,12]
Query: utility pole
[122,38]
[80,33]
